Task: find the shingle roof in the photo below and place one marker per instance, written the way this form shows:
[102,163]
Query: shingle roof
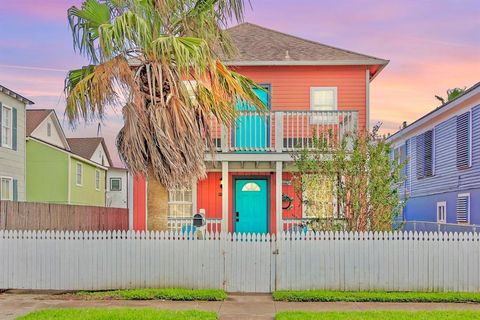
[261,46]
[35,117]
[85,147]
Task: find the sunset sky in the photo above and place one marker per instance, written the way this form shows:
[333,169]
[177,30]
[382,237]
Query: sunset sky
[432,45]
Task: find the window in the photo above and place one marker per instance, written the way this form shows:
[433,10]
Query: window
[425,154]
[6,188]
[464,141]
[251,187]
[180,203]
[6,127]
[115,184]
[49,129]
[97,180]
[323,99]
[319,199]
[79,174]
[463,208]
[441,212]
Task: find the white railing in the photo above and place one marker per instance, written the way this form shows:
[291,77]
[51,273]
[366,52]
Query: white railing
[429,226]
[185,224]
[347,261]
[283,131]
[304,225]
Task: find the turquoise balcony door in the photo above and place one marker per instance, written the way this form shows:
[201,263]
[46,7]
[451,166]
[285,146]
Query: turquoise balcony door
[252,131]
[251,206]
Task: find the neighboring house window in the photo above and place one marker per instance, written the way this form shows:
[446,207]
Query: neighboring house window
[180,203]
[115,184]
[464,140]
[97,179]
[463,208]
[425,151]
[6,127]
[323,99]
[79,174]
[6,188]
[441,212]
[49,129]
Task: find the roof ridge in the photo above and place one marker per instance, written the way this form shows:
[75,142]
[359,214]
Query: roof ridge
[307,40]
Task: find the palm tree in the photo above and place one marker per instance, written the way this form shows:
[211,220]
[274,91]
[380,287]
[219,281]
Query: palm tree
[149,57]
[451,94]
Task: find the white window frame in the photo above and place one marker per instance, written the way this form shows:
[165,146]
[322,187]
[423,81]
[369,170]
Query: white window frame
[79,165]
[8,144]
[97,179]
[171,202]
[119,183]
[10,186]
[442,204]
[324,120]
[467,195]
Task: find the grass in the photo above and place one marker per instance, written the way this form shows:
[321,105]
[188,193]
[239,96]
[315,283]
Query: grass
[376,296]
[379,315]
[118,314]
[157,294]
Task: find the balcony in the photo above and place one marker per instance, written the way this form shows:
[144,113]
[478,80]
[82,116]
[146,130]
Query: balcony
[282,131]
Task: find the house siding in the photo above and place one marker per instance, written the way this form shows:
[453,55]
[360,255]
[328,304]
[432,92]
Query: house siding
[86,194]
[290,86]
[12,162]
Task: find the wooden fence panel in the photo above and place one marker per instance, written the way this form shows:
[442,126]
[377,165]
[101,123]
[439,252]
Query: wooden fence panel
[45,216]
[101,260]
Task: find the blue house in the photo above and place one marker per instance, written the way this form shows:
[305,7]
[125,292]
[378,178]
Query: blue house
[442,174]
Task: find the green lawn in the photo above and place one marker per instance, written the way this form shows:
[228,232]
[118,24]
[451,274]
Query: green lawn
[118,314]
[157,294]
[375,296]
[379,315]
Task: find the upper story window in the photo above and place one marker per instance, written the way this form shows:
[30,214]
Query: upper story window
[425,152]
[97,180]
[464,141]
[115,184]
[79,175]
[323,99]
[6,126]
[49,129]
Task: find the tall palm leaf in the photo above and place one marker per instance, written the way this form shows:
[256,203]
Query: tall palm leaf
[143,54]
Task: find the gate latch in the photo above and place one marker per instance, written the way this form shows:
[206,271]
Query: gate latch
[275,251]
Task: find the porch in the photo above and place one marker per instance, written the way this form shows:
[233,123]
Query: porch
[282,131]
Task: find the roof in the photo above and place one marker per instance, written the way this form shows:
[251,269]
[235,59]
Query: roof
[439,110]
[85,147]
[15,95]
[257,45]
[35,117]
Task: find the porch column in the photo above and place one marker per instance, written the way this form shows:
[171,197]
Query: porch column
[278,195]
[225,189]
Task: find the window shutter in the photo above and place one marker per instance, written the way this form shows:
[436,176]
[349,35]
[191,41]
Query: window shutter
[15,190]
[463,140]
[463,208]
[420,154]
[14,128]
[428,156]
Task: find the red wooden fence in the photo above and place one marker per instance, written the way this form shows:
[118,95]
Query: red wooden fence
[46,216]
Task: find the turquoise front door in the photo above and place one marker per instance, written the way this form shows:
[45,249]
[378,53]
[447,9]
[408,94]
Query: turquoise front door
[252,130]
[251,206]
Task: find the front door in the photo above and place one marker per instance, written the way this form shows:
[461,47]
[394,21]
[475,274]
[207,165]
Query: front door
[251,206]
[251,129]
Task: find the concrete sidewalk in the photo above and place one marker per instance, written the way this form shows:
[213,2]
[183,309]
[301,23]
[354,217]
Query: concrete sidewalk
[237,306]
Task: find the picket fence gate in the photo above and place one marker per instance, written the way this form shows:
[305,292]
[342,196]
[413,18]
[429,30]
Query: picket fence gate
[397,261]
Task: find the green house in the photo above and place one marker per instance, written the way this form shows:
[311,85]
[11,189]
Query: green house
[62,170]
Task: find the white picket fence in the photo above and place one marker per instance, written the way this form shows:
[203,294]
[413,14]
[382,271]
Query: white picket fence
[240,263]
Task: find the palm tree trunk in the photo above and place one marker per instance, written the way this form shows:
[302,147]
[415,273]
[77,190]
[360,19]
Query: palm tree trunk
[157,203]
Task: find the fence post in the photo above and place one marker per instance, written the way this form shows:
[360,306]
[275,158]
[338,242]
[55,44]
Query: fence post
[278,131]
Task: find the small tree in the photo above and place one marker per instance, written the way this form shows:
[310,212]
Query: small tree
[358,175]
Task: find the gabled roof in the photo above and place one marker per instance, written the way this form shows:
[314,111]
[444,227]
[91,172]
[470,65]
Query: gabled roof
[261,46]
[15,95]
[85,147]
[35,117]
[473,90]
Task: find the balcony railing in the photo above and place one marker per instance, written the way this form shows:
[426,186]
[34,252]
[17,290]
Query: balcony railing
[283,131]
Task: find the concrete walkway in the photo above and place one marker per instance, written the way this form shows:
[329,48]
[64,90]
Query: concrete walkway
[237,306]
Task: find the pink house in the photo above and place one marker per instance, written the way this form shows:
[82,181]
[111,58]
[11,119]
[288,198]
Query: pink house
[312,89]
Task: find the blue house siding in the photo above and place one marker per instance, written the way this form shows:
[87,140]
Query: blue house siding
[447,180]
